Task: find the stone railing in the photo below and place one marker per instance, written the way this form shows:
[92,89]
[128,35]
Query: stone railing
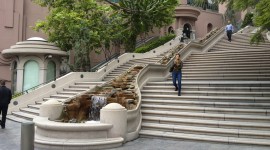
[268,35]
[170,54]
[208,35]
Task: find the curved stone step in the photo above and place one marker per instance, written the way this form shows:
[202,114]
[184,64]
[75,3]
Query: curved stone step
[204,109]
[227,140]
[165,91]
[214,104]
[207,88]
[207,123]
[210,98]
[208,116]
[240,133]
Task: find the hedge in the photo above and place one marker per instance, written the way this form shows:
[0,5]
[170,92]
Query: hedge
[155,43]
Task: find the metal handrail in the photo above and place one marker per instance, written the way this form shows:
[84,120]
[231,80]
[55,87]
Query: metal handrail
[203,5]
[105,62]
[37,86]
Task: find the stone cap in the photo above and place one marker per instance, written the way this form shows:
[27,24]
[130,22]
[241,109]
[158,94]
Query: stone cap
[114,106]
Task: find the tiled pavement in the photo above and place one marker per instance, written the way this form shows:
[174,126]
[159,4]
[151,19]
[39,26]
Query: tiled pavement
[11,136]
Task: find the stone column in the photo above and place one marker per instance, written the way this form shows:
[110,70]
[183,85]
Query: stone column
[116,115]
[51,109]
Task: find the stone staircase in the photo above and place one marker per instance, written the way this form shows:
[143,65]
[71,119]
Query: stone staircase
[225,97]
[32,110]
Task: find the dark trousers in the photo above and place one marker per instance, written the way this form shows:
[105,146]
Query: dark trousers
[177,75]
[4,110]
[229,35]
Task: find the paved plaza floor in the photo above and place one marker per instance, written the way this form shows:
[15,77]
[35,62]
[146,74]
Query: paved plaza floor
[11,136]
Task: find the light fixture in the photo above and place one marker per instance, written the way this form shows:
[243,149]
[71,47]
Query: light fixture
[49,56]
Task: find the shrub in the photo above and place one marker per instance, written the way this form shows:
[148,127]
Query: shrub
[247,20]
[155,43]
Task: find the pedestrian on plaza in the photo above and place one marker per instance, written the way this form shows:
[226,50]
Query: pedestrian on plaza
[176,70]
[5,97]
[229,31]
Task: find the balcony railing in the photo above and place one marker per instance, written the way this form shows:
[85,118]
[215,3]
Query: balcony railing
[205,5]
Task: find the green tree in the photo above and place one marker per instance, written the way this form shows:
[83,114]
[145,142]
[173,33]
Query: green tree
[260,18]
[79,25]
[141,16]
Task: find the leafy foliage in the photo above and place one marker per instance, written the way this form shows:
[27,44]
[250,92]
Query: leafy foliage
[155,43]
[247,20]
[141,16]
[79,25]
[261,14]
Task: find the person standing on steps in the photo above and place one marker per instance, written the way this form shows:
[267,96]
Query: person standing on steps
[229,31]
[176,70]
[5,97]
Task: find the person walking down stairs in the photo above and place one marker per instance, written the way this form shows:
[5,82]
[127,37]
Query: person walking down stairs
[176,70]
[229,31]
[5,97]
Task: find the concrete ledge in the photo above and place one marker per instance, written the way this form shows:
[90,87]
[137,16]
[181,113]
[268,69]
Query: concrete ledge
[43,122]
[44,143]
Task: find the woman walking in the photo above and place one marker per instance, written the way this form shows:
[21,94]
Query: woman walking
[177,73]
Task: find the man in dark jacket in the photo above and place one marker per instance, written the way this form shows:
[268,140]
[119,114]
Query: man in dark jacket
[5,97]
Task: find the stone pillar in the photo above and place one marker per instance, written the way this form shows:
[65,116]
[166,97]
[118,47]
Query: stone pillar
[51,109]
[19,85]
[116,115]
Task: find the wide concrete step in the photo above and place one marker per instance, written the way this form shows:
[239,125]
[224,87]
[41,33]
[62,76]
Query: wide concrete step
[76,89]
[30,111]
[223,132]
[226,74]
[208,116]
[81,86]
[203,122]
[209,98]
[214,69]
[220,83]
[61,96]
[144,61]
[216,104]
[34,106]
[184,91]
[230,61]
[207,88]
[185,136]
[205,109]
[24,115]
[248,78]
[235,49]
[240,40]
[17,119]
[243,45]
[222,71]
[227,66]
[229,54]
[68,93]
[54,98]
[89,83]
[226,57]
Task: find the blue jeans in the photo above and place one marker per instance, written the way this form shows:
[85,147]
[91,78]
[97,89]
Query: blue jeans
[177,75]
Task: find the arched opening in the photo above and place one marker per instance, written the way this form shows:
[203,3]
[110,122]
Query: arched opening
[14,77]
[51,71]
[209,27]
[170,30]
[30,74]
[187,30]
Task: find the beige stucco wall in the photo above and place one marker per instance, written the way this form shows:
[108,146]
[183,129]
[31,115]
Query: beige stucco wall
[206,17]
